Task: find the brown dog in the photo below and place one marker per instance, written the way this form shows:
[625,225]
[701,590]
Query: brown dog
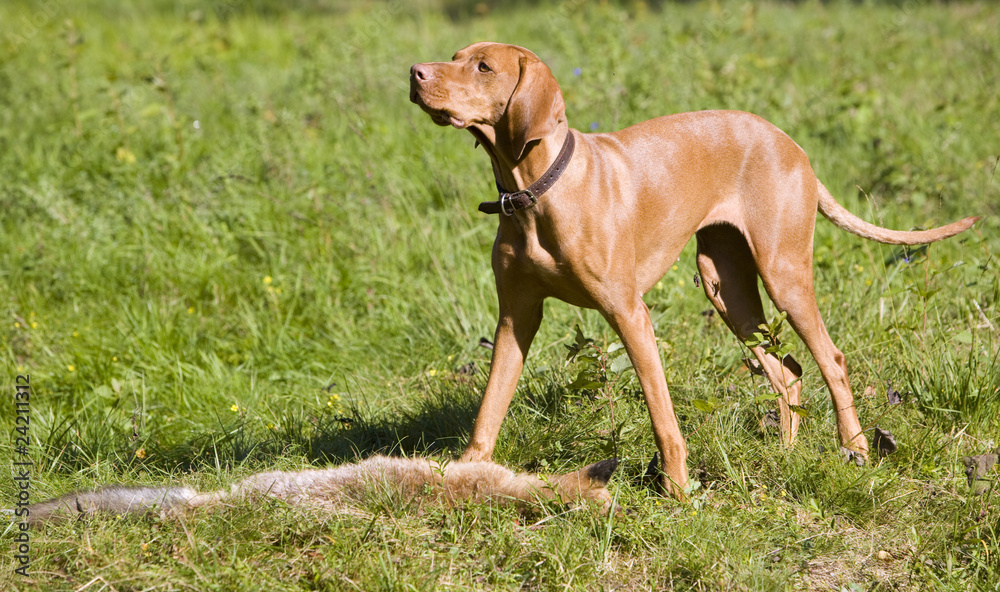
[618,208]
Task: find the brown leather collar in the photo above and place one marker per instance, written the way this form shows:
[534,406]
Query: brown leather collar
[525,198]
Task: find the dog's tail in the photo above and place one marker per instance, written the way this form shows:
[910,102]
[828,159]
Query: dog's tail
[839,215]
[116,500]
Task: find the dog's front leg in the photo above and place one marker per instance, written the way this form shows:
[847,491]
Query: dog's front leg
[636,330]
[520,316]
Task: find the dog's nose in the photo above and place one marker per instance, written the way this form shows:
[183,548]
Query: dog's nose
[421,72]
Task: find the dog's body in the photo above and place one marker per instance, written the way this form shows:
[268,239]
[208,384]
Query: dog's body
[341,488]
[620,214]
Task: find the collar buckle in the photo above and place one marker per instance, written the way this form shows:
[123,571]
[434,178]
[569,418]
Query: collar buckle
[526,198]
[518,200]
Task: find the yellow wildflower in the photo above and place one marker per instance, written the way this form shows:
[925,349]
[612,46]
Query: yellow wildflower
[124,155]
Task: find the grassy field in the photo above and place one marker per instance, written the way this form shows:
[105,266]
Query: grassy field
[229,243]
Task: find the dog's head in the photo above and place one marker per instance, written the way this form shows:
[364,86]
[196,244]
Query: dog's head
[503,94]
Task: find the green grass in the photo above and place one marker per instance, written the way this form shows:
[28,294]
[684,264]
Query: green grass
[230,243]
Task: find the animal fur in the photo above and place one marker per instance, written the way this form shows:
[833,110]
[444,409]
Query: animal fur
[339,488]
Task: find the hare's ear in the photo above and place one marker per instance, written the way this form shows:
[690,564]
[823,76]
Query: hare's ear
[600,473]
[535,107]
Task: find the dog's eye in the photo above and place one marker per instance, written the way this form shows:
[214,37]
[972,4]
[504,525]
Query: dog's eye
[483,67]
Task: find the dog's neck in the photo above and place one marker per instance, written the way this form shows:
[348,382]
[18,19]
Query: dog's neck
[514,175]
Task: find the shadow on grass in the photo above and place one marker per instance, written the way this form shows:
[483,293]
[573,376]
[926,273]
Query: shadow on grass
[548,426]
[437,424]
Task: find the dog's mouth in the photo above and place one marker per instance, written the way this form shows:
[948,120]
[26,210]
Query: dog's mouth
[442,117]
[438,116]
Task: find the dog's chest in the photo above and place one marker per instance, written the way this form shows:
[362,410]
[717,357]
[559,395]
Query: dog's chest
[520,247]
[527,253]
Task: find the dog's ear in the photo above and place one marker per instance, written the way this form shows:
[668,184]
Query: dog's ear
[535,107]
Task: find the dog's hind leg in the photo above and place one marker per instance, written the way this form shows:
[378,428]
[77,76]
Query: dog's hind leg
[798,300]
[784,262]
[729,277]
